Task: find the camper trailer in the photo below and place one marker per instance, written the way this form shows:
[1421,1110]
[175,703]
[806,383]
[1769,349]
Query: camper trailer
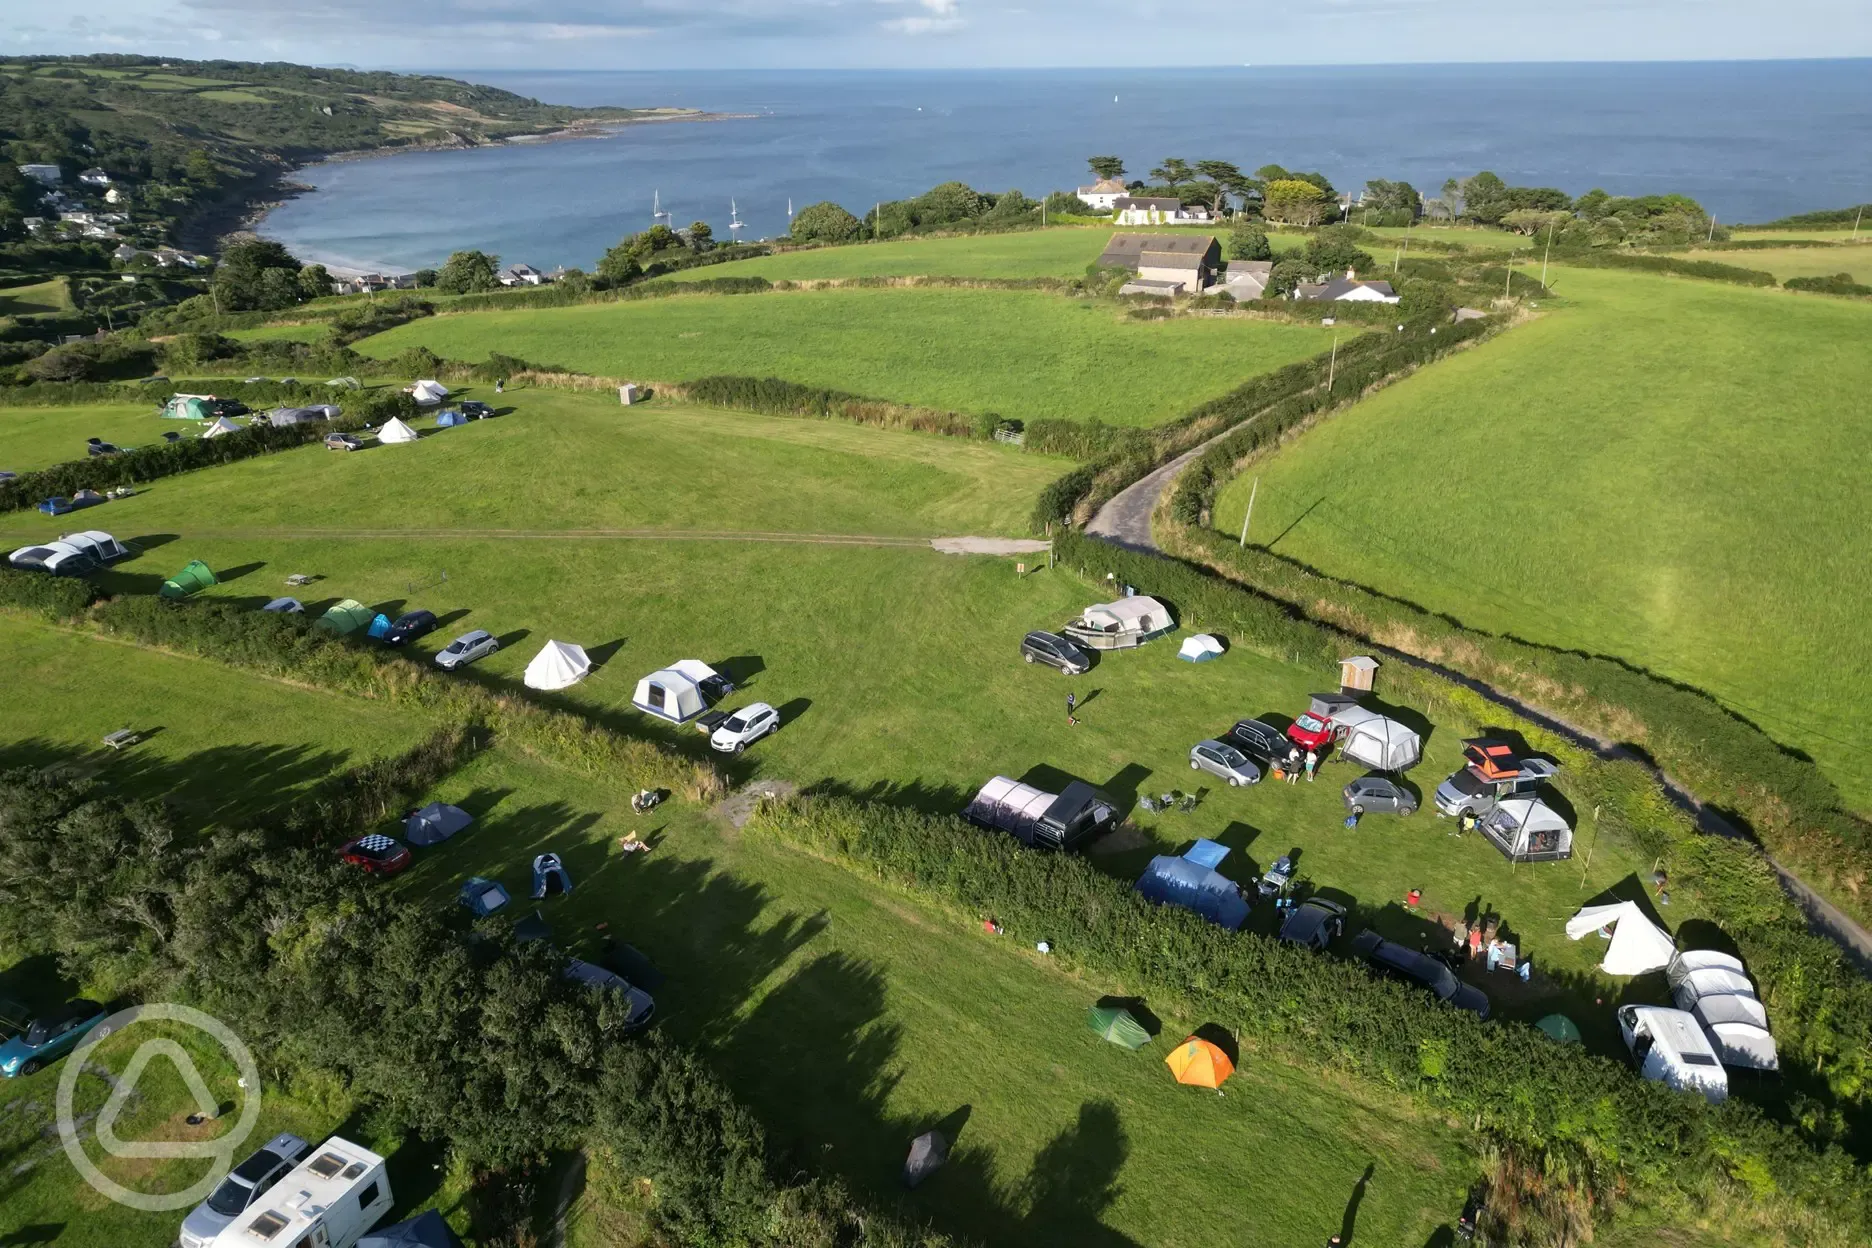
[1041,820]
[1669,1046]
[327,1201]
[1120,625]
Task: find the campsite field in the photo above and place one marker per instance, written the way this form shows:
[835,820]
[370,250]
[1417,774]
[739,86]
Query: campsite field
[38,437]
[1656,471]
[1022,354]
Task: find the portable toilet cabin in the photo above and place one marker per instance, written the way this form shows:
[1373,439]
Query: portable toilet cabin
[194,577]
[330,1199]
[1355,673]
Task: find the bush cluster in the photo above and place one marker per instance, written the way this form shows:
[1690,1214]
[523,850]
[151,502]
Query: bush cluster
[1675,266]
[55,597]
[772,396]
[1833,284]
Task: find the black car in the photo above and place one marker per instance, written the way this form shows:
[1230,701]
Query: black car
[1417,967]
[1261,740]
[1055,651]
[1376,794]
[409,626]
[474,409]
[1314,923]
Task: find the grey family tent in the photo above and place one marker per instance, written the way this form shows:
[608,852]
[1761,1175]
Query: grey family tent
[281,417]
[1714,989]
[1115,1024]
[344,618]
[435,823]
[927,1154]
[194,577]
[426,1230]
[1192,882]
[1381,744]
[285,606]
[681,691]
[482,896]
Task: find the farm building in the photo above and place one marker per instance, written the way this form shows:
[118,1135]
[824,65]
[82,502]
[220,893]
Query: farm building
[1246,279]
[1347,289]
[1103,194]
[1165,264]
[1136,210]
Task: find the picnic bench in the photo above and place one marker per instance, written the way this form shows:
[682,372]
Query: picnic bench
[122,737]
[299,578]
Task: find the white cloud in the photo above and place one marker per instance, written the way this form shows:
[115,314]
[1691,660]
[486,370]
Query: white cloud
[944,16]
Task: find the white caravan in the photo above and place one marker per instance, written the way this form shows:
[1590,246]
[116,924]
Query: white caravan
[328,1200]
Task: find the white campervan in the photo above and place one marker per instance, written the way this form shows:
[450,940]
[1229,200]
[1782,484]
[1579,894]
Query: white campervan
[329,1200]
[1669,1046]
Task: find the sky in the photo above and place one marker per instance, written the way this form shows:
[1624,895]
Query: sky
[712,34]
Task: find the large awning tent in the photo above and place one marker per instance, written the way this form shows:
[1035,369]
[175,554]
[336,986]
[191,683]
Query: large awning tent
[344,618]
[1527,829]
[558,665]
[281,417]
[428,392]
[394,430]
[681,691]
[426,1230]
[1638,945]
[1120,625]
[1714,989]
[194,577]
[221,427]
[1380,743]
[435,823]
[189,407]
[1199,1063]
[1192,882]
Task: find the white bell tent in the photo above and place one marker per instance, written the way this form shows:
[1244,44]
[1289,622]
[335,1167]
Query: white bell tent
[1638,945]
[428,392]
[558,666]
[394,430]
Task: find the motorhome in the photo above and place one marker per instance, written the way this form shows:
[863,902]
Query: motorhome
[1669,1046]
[328,1200]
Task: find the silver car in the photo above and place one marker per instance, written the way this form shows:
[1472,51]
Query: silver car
[244,1184]
[466,648]
[1467,793]
[1219,758]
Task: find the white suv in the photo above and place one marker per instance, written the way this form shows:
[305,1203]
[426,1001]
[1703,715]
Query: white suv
[744,727]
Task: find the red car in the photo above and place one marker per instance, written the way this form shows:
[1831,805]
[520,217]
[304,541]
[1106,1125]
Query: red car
[377,854]
[1315,730]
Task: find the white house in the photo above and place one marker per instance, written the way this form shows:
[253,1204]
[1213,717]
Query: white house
[521,275]
[95,177]
[1135,210]
[116,195]
[1347,289]
[1102,194]
[45,175]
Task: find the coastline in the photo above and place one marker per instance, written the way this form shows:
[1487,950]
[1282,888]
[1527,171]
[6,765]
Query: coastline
[242,215]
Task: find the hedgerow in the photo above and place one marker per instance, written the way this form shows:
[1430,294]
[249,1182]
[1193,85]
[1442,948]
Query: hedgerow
[55,597]
[1676,266]
[772,396]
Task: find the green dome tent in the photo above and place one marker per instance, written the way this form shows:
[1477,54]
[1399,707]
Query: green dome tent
[192,579]
[188,407]
[1117,1026]
[345,618]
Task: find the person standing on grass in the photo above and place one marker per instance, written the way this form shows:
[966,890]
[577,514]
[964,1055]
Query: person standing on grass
[1312,761]
[1072,703]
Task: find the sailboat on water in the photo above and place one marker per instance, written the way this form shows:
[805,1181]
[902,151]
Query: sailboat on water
[735,223]
[657,213]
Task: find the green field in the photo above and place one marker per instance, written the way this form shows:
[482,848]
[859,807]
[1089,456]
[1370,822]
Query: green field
[1786,262]
[1064,252]
[1021,354]
[310,331]
[38,437]
[36,298]
[1657,471]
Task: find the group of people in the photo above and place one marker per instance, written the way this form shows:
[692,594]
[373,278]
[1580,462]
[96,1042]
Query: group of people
[1291,767]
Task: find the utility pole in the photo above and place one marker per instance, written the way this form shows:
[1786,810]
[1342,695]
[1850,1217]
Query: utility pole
[1507,288]
[1332,363]
[1545,255]
[1252,491]
[1856,221]
[877,220]
[1712,230]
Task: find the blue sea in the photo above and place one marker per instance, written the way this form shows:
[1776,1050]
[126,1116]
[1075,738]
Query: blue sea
[1750,140]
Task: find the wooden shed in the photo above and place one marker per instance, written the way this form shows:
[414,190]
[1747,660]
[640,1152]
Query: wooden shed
[1355,673]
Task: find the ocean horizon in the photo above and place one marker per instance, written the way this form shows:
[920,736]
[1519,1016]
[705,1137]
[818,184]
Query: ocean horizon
[1751,140]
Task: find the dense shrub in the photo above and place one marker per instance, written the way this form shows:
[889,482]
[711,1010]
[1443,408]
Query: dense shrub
[1835,284]
[55,597]
[109,360]
[1674,266]
[772,396]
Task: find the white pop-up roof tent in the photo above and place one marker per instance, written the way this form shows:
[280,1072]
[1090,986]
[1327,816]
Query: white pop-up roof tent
[1378,742]
[1526,829]
[221,425]
[394,430]
[1716,991]
[559,665]
[1638,945]
[679,692]
[428,392]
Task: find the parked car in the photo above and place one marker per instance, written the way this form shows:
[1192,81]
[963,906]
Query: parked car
[1377,795]
[1314,923]
[1055,651]
[57,558]
[97,446]
[466,649]
[1671,1047]
[343,442]
[50,1036]
[1311,732]
[1218,758]
[1417,967]
[744,728]
[1259,739]
[376,854]
[245,1183]
[409,626]
[640,1003]
[474,409]
[1468,792]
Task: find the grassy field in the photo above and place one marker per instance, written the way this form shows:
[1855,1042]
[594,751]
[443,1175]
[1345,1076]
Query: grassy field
[1786,262]
[1019,353]
[312,331]
[36,298]
[38,437]
[564,461]
[1028,253]
[1657,472]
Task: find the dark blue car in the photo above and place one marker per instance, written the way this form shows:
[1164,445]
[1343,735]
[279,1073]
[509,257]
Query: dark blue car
[49,1037]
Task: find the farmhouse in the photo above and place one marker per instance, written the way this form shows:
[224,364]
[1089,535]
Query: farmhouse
[1102,194]
[1165,264]
[1132,210]
[521,275]
[1247,279]
[1348,289]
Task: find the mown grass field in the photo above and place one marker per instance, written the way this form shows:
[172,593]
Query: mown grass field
[38,437]
[1665,470]
[35,298]
[1062,252]
[1786,262]
[310,331]
[1022,354]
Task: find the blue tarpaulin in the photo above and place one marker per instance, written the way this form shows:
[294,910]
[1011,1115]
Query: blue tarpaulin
[1186,883]
[1206,853]
[380,627]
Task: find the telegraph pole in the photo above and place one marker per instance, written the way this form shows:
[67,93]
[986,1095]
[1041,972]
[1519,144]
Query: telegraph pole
[1252,491]
[1545,255]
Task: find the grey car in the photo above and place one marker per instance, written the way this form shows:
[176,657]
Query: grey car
[466,649]
[1314,923]
[639,1005]
[1219,758]
[1055,651]
[1378,795]
[1468,793]
[244,1184]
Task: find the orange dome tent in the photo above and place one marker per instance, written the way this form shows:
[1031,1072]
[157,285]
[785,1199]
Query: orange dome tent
[1199,1063]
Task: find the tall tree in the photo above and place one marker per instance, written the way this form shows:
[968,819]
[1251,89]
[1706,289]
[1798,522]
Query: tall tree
[467,272]
[1227,180]
[1174,172]
[1106,167]
[1294,201]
